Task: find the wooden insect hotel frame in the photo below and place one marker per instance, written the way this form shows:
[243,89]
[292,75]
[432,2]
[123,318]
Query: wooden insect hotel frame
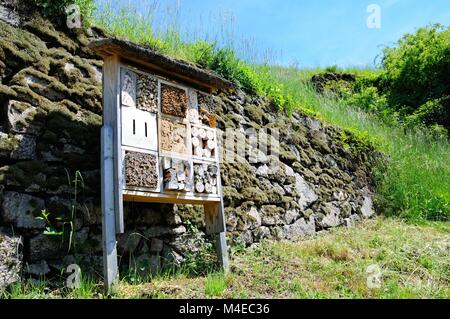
[154,147]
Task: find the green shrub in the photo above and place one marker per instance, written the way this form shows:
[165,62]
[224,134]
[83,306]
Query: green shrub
[368,99]
[430,111]
[416,71]
[55,9]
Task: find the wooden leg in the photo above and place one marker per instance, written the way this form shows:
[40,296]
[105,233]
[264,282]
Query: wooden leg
[215,224]
[110,269]
[222,251]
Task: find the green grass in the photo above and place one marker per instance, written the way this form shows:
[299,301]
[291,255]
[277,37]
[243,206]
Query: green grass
[416,183]
[215,284]
[414,262]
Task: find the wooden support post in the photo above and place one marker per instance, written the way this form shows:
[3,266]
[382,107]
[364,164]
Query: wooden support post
[222,251]
[215,224]
[112,117]
[110,270]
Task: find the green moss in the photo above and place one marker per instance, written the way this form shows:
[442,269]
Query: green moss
[192,213]
[231,196]
[8,143]
[255,113]
[6,91]
[254,194]
[25,173]
[272,211]
[46,31]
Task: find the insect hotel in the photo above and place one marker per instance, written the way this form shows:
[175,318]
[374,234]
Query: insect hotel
[155,145]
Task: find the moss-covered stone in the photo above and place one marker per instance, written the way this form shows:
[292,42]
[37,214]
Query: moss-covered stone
[46,31]
[255,113]
[255,194]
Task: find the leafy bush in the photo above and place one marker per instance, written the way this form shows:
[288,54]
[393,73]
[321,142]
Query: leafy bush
[368,99]
[416,74]
[55,9]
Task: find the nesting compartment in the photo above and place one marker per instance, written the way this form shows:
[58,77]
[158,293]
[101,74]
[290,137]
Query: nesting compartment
[174,100]
[128,87]
[177,174]
[141,170]
[205,177]
[173,136]
[147,93]
[204,144]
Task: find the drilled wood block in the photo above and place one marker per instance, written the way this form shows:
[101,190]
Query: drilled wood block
[147,93]
[174,101]
[141,170]
[173,136]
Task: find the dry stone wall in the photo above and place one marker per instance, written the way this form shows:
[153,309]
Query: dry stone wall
[50,104]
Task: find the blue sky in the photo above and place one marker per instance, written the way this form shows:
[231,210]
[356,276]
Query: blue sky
[307,33]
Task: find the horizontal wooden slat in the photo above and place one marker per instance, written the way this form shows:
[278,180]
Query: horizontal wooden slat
[176,198]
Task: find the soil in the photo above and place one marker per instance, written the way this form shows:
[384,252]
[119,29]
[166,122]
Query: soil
[174,101]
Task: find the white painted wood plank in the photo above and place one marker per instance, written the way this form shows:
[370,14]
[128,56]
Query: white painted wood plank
[110,269]
[112,117]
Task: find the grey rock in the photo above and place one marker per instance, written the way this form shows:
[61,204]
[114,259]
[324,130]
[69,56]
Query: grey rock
[188,243]
[307,196]
[261,233]
[72,149]
[20,118]
[20,209]
[251,218]
[10,16]
[128,242]
[173,219]
[262,157]
[330,160]
[38,269]
[289,171]
[156,245]
[352,220]
[278,189]
[170,258]
[11,259]
[263,171]
[313,124]
[367,207]
[271,215]
[45,247]
[246,237]
[26,149]
[82,235]
[332,218]
[277,233]
[157,231]
[300,228]
[291,216]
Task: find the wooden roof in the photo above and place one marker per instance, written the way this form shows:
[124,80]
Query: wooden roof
[161,64]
